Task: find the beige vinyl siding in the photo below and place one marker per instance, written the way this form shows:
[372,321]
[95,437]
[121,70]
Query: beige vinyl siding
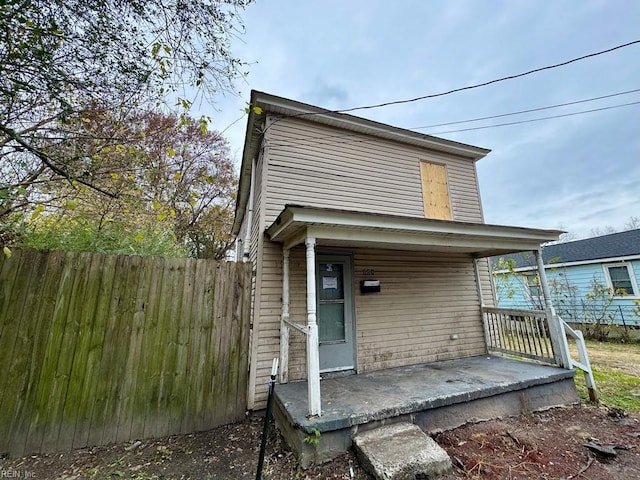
[255,256]
[322,166]
[486,281]
[425,298]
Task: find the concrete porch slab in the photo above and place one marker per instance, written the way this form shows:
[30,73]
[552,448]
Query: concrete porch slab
[435,396]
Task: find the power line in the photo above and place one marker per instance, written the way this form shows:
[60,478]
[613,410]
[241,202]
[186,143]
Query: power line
[510,77]
[340,138]
[536,119]
[527,111]
[460,89]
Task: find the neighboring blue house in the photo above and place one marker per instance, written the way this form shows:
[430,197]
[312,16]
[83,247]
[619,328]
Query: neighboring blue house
[592,280]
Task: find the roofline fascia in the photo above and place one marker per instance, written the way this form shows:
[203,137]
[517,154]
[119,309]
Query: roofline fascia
[244,181]
[400,134]
[370,220]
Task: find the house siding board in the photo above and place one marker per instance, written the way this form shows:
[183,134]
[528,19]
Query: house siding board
[410,321]
[357,172]
[255,256]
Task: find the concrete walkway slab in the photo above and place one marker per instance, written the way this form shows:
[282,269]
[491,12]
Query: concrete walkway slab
[401,452]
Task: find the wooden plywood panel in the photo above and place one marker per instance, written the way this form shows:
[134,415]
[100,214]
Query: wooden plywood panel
[435,191]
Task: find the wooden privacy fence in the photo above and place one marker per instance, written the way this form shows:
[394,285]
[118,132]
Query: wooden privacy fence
[101,348]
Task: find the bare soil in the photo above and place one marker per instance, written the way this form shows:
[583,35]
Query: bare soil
[546,445]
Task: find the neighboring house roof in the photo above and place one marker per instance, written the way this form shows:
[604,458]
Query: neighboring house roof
[267,103]
[606,247]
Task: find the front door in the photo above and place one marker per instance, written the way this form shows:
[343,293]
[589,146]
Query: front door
[335,313]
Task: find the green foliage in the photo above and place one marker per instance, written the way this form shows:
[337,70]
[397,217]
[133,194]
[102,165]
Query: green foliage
[78,234]
[313,438]
[173,184]
[596,309]
[503,274]
[62,59]
[508,281]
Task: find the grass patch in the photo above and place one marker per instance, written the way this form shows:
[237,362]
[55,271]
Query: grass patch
[616,370]
[615,388]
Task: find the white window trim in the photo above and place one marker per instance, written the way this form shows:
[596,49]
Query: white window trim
[632,277]
[534,298]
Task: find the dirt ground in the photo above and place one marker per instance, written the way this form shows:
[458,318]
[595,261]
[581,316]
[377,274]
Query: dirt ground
[546,445]
[624,357]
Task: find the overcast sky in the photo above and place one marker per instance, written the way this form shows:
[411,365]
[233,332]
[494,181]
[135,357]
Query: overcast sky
[577,173]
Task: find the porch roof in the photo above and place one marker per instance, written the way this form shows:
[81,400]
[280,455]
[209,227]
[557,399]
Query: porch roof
[331,227]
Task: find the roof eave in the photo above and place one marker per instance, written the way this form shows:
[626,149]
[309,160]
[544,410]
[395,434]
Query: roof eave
[416,233]
[350,122]
[249,152]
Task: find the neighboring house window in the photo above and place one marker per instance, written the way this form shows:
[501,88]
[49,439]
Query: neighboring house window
[621,280]
[435,191]
[533,287]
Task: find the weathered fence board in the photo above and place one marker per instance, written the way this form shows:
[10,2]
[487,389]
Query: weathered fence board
[102,348]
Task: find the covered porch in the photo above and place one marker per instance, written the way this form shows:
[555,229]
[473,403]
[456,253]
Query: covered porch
[317,227]
[435,396]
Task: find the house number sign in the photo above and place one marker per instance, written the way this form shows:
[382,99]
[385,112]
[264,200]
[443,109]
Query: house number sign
[368,271]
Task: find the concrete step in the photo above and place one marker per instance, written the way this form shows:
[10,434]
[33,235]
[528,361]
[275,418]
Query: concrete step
[401,451]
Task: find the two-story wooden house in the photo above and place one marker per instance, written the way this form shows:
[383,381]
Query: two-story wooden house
[369,250]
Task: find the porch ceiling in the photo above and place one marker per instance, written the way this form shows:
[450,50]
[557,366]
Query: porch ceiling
[342,228]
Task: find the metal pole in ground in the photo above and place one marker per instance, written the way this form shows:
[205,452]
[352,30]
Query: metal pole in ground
[267,417]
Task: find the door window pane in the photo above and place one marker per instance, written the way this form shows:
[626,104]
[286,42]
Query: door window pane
[331,284]
[331,325]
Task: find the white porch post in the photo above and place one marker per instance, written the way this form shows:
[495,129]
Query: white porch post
[485,326]
[313,353]
[556,330]
[284,326]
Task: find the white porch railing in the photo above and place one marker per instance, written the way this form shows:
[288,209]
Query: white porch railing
[583,362]
[528,334]
[524,333]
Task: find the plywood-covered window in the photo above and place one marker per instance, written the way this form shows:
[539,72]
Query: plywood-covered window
[435,191]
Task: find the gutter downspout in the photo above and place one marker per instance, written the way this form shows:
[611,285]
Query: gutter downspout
[247,235]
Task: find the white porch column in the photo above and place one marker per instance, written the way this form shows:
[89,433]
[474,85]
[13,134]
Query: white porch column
[556,330]
[313,352]
[284,326]
[485,326]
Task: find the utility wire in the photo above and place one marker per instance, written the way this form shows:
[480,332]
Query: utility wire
[470,87]
[460,89]
[526,111]
[342,137]
[536,119]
